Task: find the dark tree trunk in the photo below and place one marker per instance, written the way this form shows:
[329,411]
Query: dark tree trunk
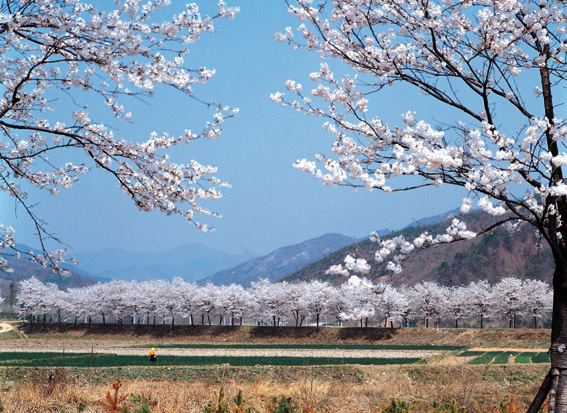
[482,321]
[317,320]
[556,382]
[456,323]
[559,337]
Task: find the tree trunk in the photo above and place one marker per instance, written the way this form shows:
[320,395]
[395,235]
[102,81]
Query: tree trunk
[456,323]
[482,321]
[317,320]
[559,337]
[556,382]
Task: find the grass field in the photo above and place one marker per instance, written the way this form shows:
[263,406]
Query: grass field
[503,357]
[472,370]
[22,359]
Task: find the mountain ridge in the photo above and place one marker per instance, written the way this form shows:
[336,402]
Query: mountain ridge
[490,256]
[280,262]
[190,262]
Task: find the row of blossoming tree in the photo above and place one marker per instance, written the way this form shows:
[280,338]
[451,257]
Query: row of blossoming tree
[295,303]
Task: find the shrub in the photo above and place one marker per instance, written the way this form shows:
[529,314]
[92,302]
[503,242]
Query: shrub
[448,407]
[112,402]
[218,406]
[284,405]
[396,406]
[239,404]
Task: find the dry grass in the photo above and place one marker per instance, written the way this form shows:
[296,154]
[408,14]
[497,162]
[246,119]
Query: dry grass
[478,388]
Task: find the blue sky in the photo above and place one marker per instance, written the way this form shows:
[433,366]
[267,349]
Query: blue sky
[270,204]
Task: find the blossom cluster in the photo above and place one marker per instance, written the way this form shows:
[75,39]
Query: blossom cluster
[491,68]
[51,50]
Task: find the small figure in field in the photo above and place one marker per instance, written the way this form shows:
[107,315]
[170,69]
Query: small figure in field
[152,355]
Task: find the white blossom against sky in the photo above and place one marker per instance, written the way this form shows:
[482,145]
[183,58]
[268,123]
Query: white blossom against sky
[270,204]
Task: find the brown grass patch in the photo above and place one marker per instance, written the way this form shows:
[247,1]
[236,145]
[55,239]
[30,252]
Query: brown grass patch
[478,388]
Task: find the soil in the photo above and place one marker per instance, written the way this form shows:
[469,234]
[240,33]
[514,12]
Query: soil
[123,339]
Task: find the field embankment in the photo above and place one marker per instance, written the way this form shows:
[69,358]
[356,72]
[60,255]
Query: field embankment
[497,338]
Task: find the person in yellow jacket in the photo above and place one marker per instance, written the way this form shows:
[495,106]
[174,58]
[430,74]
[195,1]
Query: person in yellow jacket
[152,355]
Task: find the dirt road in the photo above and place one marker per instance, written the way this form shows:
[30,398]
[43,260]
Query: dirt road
[4,327]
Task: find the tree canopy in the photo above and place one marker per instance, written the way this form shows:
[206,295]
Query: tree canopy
[59,59]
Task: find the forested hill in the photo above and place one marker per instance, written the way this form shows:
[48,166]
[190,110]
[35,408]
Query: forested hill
[281,262]
[491,256]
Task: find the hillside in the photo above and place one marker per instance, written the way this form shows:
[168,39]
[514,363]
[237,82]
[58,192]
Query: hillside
[24,269]
[281,262]
[492,256]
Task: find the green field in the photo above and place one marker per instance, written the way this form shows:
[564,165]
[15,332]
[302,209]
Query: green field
[86,360]
[502,357]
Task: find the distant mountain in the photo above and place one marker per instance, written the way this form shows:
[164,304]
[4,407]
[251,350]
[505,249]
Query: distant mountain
[25,269]
[190,262]
[436,219]
[490,256]
[282,262]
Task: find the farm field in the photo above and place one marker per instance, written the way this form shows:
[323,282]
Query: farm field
[54,368]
